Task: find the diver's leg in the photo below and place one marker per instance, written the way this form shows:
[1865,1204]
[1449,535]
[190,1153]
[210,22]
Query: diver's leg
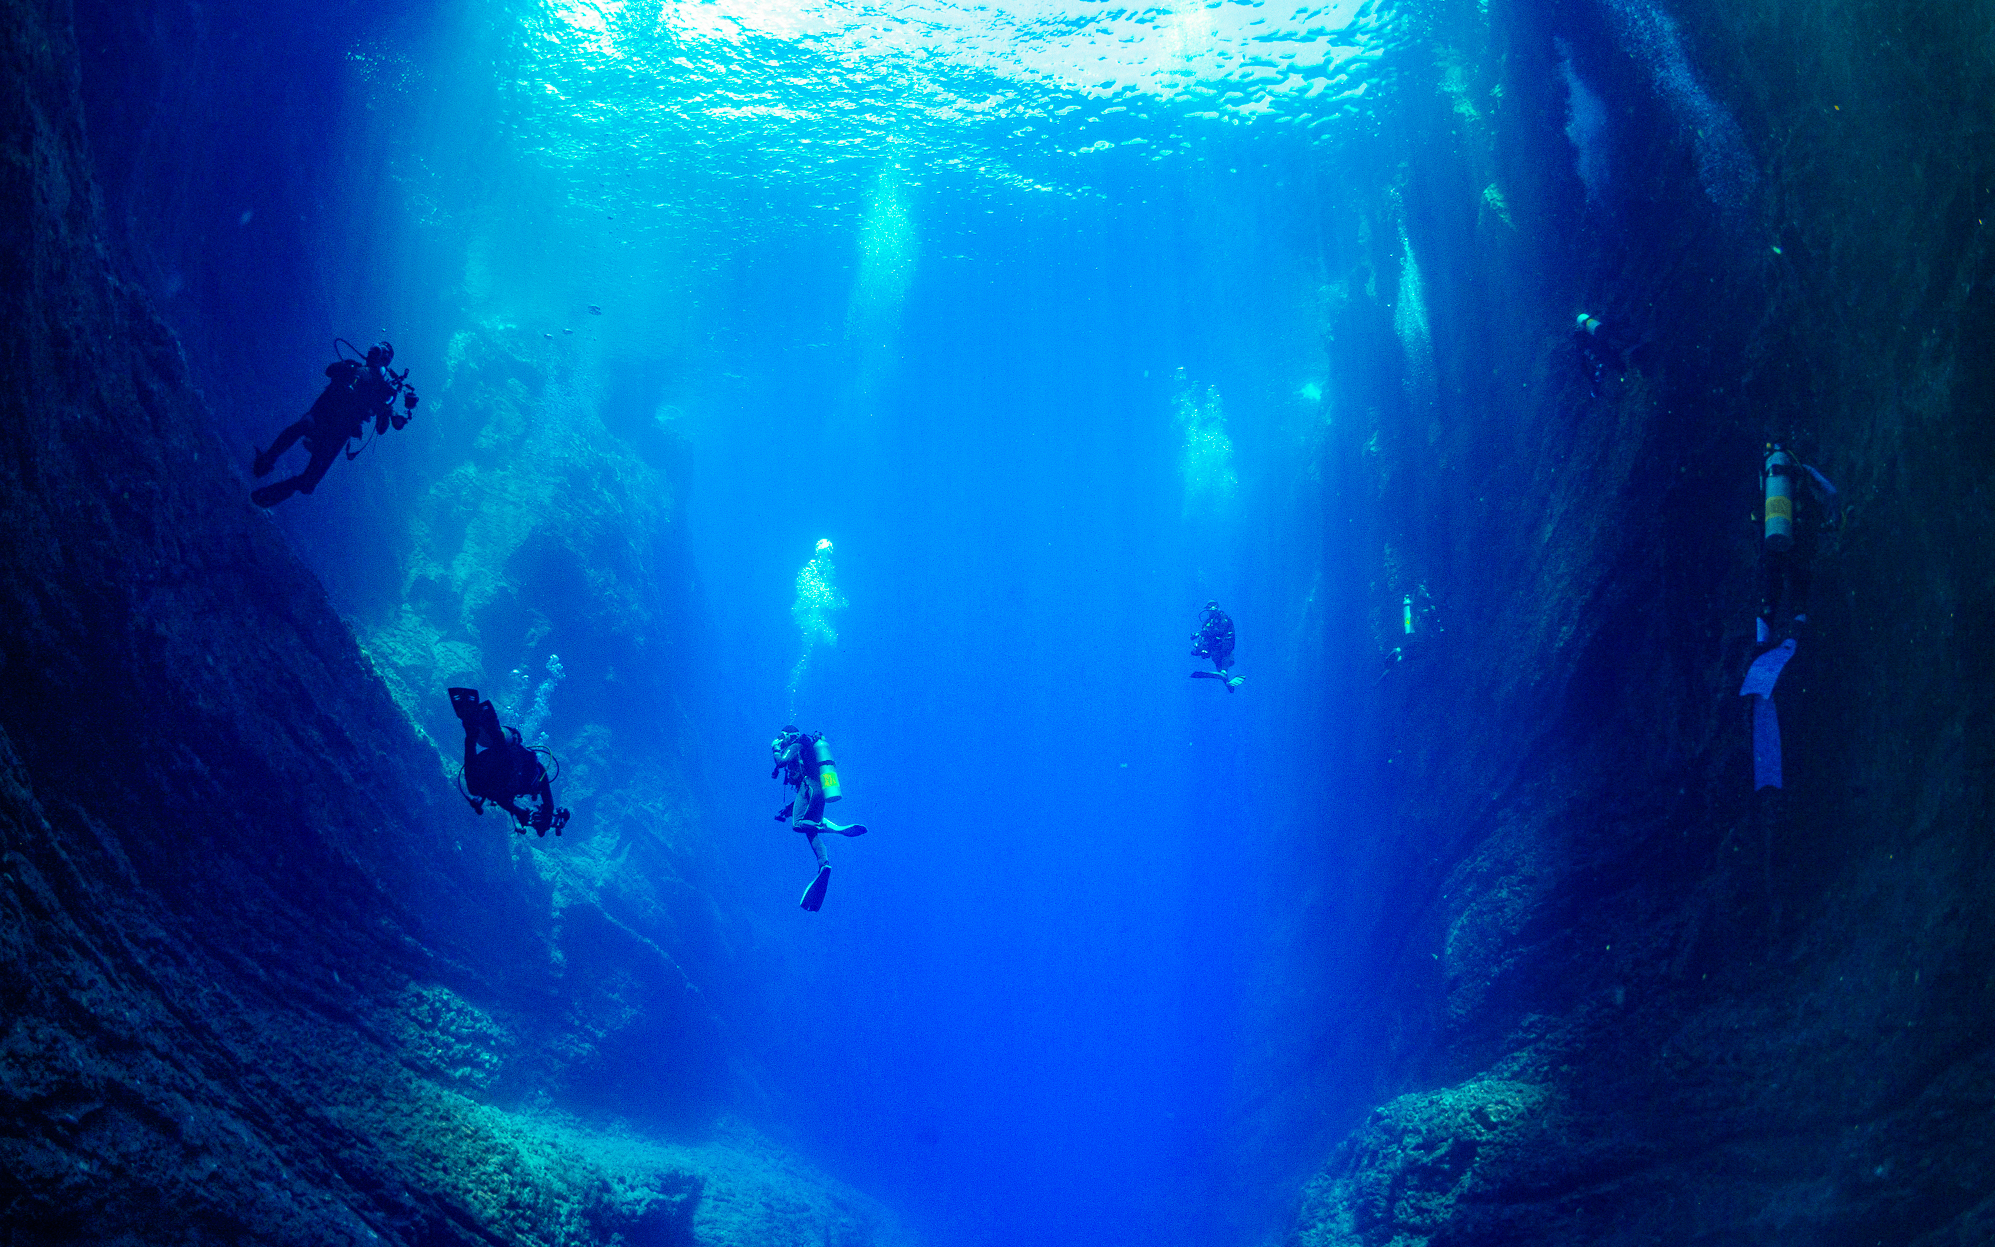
[271,495]
[267,459]
[315,471]
[1800,576]
[807,814]
[305,482]
[1771,569]
[487,729]
[814,894]
[464,704]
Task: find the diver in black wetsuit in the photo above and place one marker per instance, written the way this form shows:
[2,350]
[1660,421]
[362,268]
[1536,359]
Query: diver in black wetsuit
[1214,640]
[800,761]
[498,766]
[1791,517]
[356,391]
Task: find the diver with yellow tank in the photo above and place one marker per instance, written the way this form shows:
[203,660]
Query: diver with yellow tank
[1788,545]
[804,762]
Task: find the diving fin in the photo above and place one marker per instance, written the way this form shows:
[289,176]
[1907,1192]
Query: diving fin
[1234,681]
[845,829]
[1765,671]
[1207,675]
[814,894]
[1766,744]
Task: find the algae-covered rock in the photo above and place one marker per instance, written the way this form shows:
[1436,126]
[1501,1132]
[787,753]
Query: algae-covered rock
[1403,1177]
[545,535]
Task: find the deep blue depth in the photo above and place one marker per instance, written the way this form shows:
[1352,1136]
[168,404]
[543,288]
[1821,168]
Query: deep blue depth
[1020,1010]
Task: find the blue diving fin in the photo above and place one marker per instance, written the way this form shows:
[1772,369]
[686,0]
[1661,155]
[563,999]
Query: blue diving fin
[1759,682]
[1766,669]
[1766,744]
[814,894]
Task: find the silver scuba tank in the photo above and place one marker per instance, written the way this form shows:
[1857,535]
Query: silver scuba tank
[827,769]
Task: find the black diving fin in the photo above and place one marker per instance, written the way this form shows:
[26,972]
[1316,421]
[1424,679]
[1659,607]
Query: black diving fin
[814,894]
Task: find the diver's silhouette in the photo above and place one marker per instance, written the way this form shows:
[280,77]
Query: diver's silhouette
[499,767]
[356,392]
[1214,640]
[1791,517]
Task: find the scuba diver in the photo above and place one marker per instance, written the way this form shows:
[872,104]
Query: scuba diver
[1601,347]
[1214,640]
[356,392]
[1416,626]
[804,762]
[499,766]
[1787,548]
[1788,545]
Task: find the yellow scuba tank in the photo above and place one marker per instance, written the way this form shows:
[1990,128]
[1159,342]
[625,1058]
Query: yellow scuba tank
[1779,474]
[1406,614]
[827,769]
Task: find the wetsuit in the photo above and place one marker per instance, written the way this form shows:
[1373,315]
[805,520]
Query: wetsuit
[796,762]
[499,767]
[1787,575]
[355,393]
[1215,639]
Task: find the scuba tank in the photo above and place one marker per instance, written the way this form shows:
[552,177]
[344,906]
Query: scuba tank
[1406,614]
[827,769]
[1778,474]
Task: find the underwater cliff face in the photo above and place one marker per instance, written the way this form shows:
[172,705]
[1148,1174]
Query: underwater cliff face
[1617,996]
[262,982]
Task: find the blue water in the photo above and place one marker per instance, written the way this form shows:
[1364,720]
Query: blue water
[1019,1012]
[1035,341]
[1019,1006]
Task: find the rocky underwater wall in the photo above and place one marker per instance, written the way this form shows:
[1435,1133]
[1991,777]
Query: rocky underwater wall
[260,981]
[1611,993]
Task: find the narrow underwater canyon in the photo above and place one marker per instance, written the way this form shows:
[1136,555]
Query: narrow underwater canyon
[1531,960]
